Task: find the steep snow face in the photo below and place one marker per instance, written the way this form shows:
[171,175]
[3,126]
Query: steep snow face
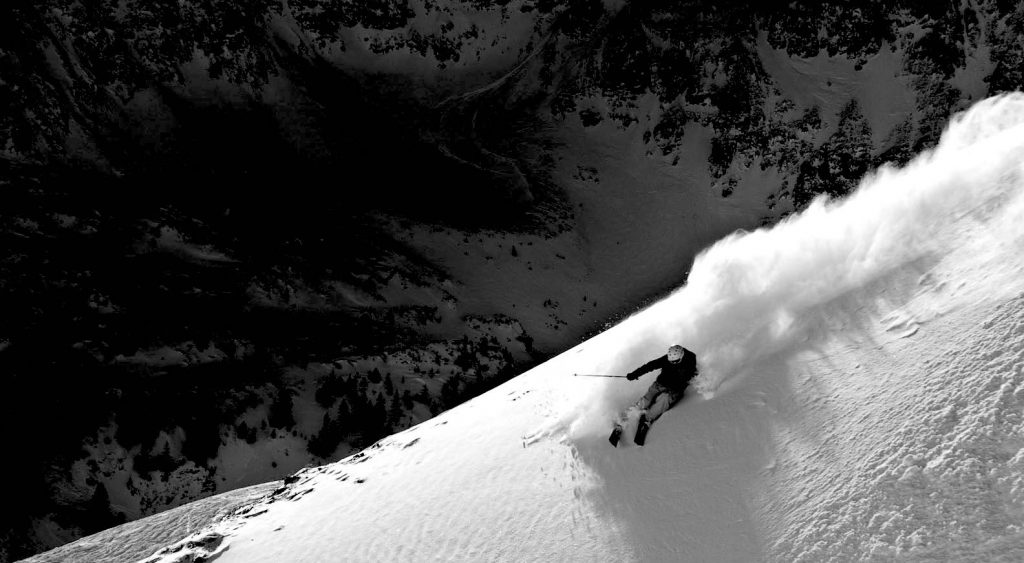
[861,397]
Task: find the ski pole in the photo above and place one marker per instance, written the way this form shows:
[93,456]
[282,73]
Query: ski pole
[597,375]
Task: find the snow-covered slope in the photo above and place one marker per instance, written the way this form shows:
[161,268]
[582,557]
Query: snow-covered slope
[601,145]
[861,397]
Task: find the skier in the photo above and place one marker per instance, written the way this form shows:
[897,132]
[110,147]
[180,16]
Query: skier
[678,367]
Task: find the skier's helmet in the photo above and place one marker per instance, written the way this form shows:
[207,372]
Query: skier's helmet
[675,353]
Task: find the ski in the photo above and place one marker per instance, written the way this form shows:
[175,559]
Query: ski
[641,431]
[616,434]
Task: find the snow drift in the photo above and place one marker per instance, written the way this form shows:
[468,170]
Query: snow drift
[862,397]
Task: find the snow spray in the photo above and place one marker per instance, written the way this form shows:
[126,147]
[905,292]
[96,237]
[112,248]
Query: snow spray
[752,294]
[759,294]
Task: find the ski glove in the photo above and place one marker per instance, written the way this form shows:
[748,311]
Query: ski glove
[632,376]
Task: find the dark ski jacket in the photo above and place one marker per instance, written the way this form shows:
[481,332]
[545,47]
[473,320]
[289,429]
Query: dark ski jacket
[674,376]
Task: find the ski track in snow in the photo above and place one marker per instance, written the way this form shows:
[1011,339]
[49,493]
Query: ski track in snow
[864,410]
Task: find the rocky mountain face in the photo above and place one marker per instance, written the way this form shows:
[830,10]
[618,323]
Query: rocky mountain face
[247,237]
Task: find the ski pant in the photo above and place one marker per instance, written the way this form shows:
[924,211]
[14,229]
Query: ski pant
[655,402]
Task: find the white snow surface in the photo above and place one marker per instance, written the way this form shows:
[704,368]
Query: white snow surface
[861,398]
